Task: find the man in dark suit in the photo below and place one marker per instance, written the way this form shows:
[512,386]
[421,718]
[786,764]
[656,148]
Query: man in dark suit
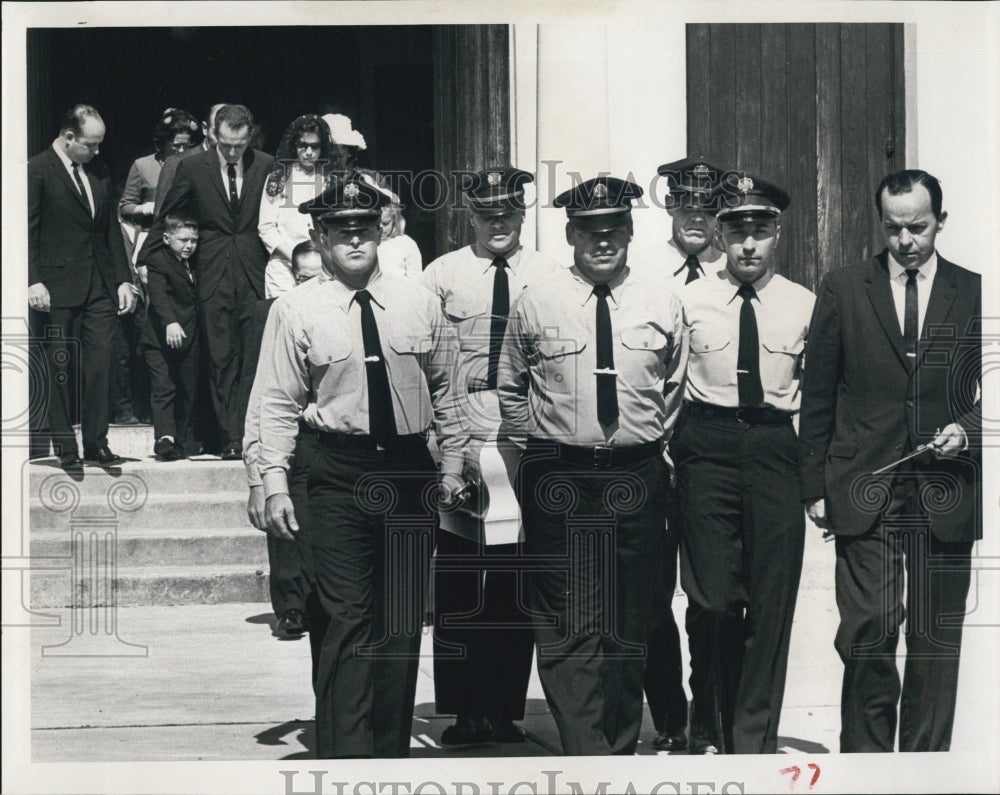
[78,273]
[169,170]
[893,366]
[222,189]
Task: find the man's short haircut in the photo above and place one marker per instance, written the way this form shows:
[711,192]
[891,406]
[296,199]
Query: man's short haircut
[236,116]
[76,116]
[303,248]
[904,181]
[177,221]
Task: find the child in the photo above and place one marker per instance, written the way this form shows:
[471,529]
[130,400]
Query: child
[170,340]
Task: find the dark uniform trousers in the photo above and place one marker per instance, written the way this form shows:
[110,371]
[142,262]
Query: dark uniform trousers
[483,639]
[869,576]
[664,679]
[292,565]
[369,535]
[226,317]
[84,338]
[589,532]
[743,532]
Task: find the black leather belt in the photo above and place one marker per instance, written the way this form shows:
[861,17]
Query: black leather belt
[600,457]
[354,441]
[745,414]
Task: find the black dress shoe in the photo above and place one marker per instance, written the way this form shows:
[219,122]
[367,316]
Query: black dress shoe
[293,622]
[125,418]
[70,461]
[232,452]
[506,731]
[672,740]
[103,456]
[167,450]
[468,731]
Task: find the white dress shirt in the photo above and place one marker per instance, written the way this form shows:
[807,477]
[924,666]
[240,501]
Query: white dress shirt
[83,175]
[925,281]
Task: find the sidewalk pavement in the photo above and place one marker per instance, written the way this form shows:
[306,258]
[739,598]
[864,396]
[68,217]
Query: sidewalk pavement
[214,682]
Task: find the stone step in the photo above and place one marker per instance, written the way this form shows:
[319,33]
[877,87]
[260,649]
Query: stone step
[178,547]
[151,585]
[205,474]
[158,512]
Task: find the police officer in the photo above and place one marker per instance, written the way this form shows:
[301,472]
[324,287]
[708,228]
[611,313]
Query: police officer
[691,182]
[483,640]
[589,373]
[692,255]
[363,357]
[742,526]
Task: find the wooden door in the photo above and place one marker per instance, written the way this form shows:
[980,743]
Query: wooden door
[815,108]
[471,114]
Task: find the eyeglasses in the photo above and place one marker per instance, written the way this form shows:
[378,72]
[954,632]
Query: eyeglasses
[302,145]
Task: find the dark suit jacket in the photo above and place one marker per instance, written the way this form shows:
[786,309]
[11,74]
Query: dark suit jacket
[225,237]
[62,236]
[864,407]
[167,174]
[172,297]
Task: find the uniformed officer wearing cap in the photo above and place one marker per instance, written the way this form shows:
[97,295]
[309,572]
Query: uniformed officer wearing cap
[691,204]
[364,359]
[590,373]
[742,526]
[482,637]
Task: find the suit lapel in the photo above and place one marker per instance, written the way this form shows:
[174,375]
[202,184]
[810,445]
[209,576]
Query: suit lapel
[880,295]
[939,304]
[60,169]
[215,175]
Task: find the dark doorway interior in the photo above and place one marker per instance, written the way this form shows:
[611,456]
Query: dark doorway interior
[382,77]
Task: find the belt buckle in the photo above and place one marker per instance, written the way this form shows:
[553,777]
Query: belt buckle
[740,416]
[602,457]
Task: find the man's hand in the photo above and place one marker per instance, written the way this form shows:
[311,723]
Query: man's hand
[126,298]
[175,335]
[255,508]
[143,273]
[280,516]
[950,442]
[816,511]
[146,208]
[450,486]
[38,297]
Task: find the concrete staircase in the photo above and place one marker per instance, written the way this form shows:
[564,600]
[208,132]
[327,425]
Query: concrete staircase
[144,533]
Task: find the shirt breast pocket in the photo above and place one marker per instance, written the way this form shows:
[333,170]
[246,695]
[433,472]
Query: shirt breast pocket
[330,361]
[560,364]
[708,341]
[405,351]
[472,321]
[784,354]
[643,349]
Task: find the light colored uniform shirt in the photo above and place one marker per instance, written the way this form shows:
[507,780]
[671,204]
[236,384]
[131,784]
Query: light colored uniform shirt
[925,281]
[712,314]
[464,283]
[312,363]
[709,260]
[251,432]
[547,382]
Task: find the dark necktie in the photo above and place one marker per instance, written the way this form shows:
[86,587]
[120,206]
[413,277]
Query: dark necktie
[382,421]
[79,186]
[234,198]
[911,317]
[694,269]
[607,391]
[748,359]
[498,324]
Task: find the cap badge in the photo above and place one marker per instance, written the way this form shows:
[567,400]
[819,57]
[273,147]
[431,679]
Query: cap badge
[493,178]
[351,190]
[601,191]
[700,170]
[745,185]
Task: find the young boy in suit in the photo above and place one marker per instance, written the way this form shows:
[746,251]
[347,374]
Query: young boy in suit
[170,340]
